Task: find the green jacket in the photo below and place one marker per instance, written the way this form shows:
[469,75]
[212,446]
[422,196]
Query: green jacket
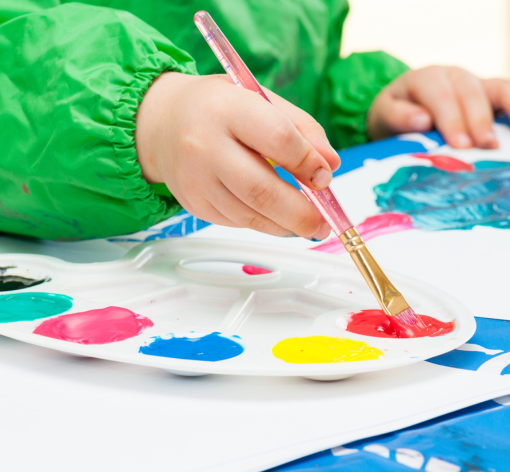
[72,76]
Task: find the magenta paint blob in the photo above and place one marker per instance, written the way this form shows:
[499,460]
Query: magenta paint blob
[103,326]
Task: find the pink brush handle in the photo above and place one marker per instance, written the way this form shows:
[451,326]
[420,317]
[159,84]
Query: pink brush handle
[324,200]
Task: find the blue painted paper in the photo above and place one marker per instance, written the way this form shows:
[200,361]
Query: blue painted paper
[471,439]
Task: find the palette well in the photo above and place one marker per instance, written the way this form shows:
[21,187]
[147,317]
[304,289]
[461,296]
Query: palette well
[191,307]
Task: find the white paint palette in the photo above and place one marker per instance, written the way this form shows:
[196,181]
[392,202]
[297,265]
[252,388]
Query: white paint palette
[189,289]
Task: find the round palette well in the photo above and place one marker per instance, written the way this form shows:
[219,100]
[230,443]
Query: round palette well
[191,307]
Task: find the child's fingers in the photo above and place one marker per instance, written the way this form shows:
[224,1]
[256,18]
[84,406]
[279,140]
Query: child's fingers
[498,92]
[240,214]
[477,107]
[253,181]
[206,211]
[265,129]
[401,116]
[309,128]
[433,89]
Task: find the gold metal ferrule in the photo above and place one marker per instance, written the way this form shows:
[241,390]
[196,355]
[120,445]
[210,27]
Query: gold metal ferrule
[389,298]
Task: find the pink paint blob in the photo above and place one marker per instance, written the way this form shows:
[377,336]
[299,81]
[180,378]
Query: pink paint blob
[254,270]
[383,224]
[373,226]
[103,326]
[376,323]
[447,163]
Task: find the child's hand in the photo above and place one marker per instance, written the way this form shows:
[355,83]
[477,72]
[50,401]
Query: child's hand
[202,136]
[459,104]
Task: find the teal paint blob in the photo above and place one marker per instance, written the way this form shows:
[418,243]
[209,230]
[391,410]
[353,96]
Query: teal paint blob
[29,306]
[212,348]
[440,200]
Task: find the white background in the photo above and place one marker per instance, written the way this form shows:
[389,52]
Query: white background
[473,34]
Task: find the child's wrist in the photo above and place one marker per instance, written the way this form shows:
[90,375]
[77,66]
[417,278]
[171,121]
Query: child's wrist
[150,123]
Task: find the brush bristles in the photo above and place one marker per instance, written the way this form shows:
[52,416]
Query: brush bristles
[407,317]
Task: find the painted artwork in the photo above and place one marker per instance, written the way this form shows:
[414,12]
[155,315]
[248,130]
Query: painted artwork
[429,198]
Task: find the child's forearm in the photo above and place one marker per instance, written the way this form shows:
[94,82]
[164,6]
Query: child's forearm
[69,94]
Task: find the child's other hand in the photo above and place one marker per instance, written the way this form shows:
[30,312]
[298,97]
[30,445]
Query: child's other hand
[203,137]
[457,103]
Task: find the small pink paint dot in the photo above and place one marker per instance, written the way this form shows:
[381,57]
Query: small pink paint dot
[254,270]
[25,188]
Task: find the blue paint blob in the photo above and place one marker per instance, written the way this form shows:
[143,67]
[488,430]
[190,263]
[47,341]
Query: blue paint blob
[212,347]
[29,306]
[439,200]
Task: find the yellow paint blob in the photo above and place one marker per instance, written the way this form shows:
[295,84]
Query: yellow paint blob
[324,349]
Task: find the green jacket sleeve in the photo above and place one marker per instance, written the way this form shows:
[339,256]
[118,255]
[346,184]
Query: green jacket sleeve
[351,84]
[71,79]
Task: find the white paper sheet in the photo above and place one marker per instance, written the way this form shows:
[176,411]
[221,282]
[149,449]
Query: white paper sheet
[60,413]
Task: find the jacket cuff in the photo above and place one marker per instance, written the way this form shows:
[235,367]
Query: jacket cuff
[353,83]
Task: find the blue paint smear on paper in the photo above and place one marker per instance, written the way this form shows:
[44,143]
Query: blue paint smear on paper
[29,306]
[187,224]
[212,348]
[490,334]
[471,439]
[440,200]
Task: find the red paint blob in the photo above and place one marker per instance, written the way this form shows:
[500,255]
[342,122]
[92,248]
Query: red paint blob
[25,188]
[103,326]
[447,163]
[376,323]
[254,270]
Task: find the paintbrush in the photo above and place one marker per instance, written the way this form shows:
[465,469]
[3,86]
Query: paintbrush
[401,315]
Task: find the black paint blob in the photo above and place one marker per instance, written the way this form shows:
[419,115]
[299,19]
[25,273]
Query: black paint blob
[8,283]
